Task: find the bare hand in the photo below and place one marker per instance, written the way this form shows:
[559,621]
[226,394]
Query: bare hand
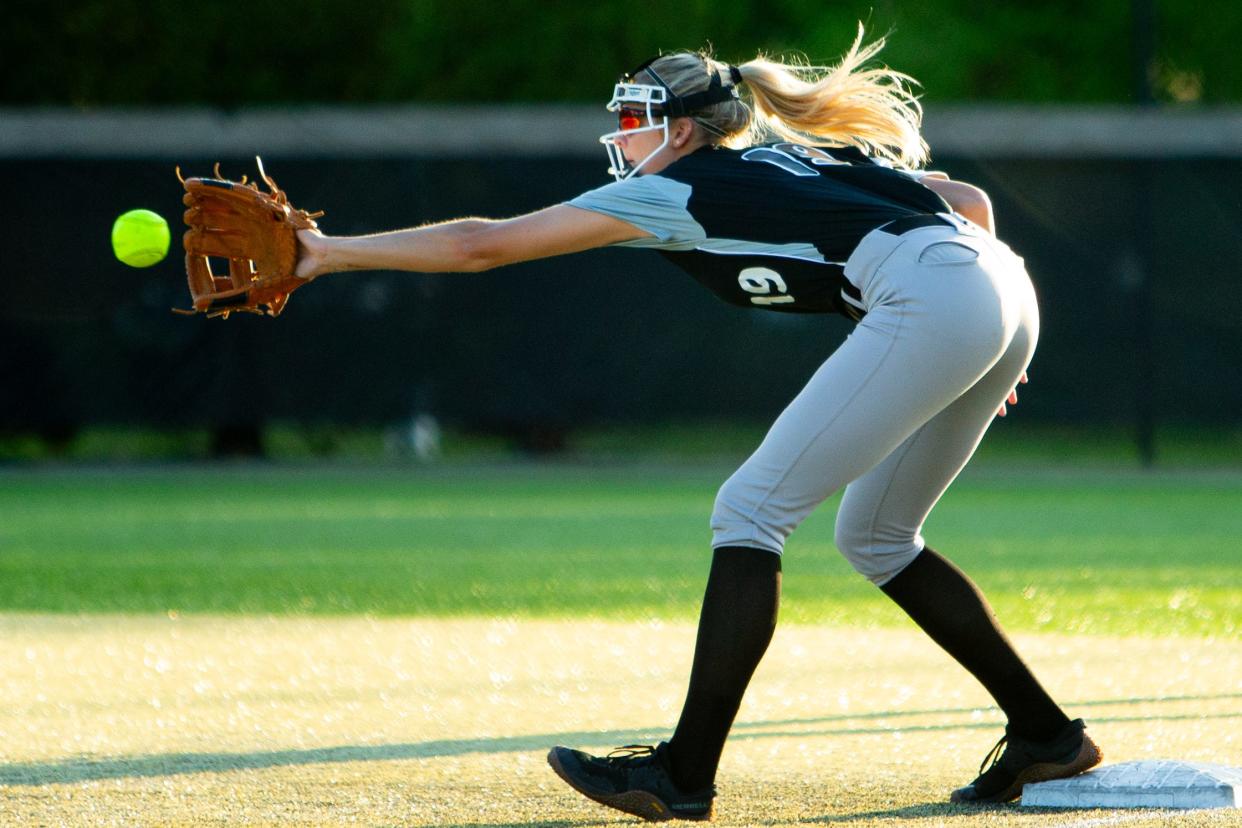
[1012,399]
[312,254]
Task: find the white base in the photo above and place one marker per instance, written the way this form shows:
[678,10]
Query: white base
[1159,783]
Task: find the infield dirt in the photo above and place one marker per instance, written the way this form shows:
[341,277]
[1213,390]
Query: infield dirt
[121,720]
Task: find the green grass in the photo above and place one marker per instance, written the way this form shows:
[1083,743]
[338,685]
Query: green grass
[1010,441]
[1098,552]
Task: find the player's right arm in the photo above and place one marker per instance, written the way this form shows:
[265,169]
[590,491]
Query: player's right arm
[466,245]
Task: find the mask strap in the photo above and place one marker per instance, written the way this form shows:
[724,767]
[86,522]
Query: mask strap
[677,106]
[716,92]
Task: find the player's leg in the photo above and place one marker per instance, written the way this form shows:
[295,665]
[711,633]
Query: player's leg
[736,623]
[879,531]
[926,339]
[895,371]
[892,374]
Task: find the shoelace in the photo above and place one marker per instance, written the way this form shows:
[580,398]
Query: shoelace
[630,753]
[994,755]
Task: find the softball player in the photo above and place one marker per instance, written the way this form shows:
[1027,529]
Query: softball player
[830,217]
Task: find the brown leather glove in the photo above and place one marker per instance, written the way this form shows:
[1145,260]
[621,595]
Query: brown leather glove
[255,231]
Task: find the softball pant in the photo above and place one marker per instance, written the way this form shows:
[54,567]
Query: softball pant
[899,408]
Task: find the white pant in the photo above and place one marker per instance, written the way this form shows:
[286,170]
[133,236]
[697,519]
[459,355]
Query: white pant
[899,408]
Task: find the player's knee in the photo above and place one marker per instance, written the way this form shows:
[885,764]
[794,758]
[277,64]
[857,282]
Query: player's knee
[743,517]
[876,551]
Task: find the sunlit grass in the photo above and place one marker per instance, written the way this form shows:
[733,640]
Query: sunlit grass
[1095,552]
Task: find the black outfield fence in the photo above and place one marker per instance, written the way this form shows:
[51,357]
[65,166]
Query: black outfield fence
[1136,257]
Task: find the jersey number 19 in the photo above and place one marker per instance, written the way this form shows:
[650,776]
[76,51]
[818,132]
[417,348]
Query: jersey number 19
[767,285]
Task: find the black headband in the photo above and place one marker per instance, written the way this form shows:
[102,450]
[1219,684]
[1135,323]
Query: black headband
[678,106]
[735,75]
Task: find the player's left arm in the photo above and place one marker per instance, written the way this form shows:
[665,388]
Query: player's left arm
[967,199]
[466,245]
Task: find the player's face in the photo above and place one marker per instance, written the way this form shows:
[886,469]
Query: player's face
[639,145]
[642,130]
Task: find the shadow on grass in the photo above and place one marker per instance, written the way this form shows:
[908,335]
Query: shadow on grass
[958,711]
[941,812]
[620,818]
[74,770]
[928,810]
[559,823]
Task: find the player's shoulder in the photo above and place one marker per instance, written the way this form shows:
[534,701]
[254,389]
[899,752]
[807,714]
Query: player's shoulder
[709,160]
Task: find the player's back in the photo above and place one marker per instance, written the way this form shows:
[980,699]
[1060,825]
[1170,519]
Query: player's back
[786,192]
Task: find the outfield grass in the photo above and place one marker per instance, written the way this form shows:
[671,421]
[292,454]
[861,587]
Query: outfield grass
[1102,551]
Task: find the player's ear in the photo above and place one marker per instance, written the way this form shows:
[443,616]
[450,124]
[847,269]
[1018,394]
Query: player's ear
[683,131]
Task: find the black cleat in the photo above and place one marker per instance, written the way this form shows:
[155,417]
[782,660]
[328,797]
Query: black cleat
[634,779]
[1070,753]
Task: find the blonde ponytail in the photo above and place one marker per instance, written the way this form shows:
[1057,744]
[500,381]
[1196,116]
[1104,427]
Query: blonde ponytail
[872,109]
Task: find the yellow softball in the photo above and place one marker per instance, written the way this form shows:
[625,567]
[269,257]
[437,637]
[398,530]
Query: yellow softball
[140,238]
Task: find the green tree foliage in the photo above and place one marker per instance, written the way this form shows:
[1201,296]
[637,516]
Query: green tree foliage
[229,53]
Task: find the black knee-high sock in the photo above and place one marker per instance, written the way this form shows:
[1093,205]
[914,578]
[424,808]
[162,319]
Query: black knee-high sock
[735,627]
[952,610]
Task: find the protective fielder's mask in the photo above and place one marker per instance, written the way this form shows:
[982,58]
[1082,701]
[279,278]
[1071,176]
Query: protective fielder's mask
[645,107]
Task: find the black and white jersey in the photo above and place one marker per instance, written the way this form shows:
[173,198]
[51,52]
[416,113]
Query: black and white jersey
[770,226]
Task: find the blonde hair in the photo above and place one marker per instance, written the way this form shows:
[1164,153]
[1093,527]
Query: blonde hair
[849,104]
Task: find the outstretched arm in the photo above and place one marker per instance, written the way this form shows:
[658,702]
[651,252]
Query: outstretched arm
[465,245]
